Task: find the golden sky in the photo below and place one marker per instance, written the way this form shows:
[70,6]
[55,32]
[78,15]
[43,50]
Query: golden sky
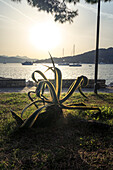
[26,32]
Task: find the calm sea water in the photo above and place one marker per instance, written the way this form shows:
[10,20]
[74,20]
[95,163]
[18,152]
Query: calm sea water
[17,70]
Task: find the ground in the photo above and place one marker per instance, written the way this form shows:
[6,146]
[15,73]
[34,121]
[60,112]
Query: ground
[72,143]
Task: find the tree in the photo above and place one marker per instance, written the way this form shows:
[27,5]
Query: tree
[58,8]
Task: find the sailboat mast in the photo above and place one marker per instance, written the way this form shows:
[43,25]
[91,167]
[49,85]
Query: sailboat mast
[73,49]
[63,52]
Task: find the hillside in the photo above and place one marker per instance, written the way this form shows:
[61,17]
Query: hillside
[105,56]
[16,59]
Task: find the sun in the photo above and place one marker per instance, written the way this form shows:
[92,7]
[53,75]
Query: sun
[45,36]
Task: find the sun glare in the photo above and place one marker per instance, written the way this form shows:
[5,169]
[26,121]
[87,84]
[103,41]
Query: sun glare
[45,36]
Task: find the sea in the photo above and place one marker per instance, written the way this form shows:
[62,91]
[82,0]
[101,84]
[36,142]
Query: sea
[19,71]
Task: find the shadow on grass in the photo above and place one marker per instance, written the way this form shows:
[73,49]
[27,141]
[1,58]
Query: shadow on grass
[105,98]
[58,147]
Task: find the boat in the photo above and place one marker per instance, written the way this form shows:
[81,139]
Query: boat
[90,65]
[75,65]
[27,63]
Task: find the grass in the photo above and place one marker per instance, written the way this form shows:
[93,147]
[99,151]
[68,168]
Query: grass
[71,144]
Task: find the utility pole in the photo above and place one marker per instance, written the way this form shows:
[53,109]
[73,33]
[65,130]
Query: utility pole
[97,49]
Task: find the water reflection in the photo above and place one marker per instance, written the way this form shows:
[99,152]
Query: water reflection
[17,70]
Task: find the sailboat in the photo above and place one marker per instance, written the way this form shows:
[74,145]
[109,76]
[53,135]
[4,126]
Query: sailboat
[74,64]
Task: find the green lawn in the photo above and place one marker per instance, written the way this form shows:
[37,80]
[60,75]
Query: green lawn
[71,144]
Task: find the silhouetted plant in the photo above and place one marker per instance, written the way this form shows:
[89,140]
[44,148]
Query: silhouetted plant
[54,105]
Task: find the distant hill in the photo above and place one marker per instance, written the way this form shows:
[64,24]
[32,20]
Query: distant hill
[22,57]
[16,59]
[105,56]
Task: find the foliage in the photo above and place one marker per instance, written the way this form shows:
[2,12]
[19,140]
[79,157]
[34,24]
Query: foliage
[59,9]
[54,104]
[106,114]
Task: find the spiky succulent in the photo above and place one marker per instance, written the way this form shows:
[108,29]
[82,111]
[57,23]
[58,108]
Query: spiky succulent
[55,93]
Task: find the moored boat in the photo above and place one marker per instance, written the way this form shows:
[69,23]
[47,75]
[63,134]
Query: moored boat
[75,65]
[27,63]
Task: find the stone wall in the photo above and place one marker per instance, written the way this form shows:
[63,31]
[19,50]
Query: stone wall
[8,82]
[67,82]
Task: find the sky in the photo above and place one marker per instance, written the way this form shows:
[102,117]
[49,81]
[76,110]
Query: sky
[26,32]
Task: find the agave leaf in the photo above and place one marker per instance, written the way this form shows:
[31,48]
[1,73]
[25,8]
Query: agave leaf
[52,91]
[36,101]
[76,104]
[29,95]
[29,106]
[39,88]
[51,88]
[39,72]
[17,118]
[85,81]
[71,90]
[81,81]
[54,69]
[43,89]
[80,107]
[58,82]
[52,61]
[45,97]
[51,68]
[30,121]
[82,92]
